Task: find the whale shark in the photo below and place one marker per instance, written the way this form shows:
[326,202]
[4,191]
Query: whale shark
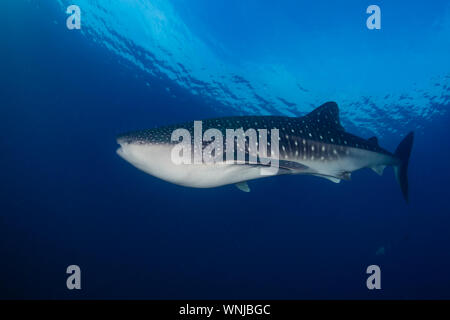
[315,144]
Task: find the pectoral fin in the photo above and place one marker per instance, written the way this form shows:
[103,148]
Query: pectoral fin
[243,186]
[293,166]
[286,165]
[378,169]
[332,179]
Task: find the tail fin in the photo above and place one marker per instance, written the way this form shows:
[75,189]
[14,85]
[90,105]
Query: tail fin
[403,152]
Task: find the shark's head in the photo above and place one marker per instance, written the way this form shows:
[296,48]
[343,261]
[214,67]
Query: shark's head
[129,144]
[151,152]
[142,151]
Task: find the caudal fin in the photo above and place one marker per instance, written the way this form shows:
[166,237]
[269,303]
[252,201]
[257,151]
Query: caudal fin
[403,152]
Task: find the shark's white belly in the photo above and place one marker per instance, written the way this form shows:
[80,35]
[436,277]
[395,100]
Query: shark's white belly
[156,160]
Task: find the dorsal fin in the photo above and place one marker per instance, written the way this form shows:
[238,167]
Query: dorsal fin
[326,115]
[373,140]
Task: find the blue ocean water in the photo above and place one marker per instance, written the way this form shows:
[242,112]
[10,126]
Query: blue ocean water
[67,198]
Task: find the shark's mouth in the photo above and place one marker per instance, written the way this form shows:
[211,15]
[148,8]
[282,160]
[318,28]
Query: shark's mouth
[120,152]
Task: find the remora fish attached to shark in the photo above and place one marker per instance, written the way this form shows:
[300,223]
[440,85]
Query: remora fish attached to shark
[315,144]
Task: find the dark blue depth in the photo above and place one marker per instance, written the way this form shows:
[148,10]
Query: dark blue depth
[67,198]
